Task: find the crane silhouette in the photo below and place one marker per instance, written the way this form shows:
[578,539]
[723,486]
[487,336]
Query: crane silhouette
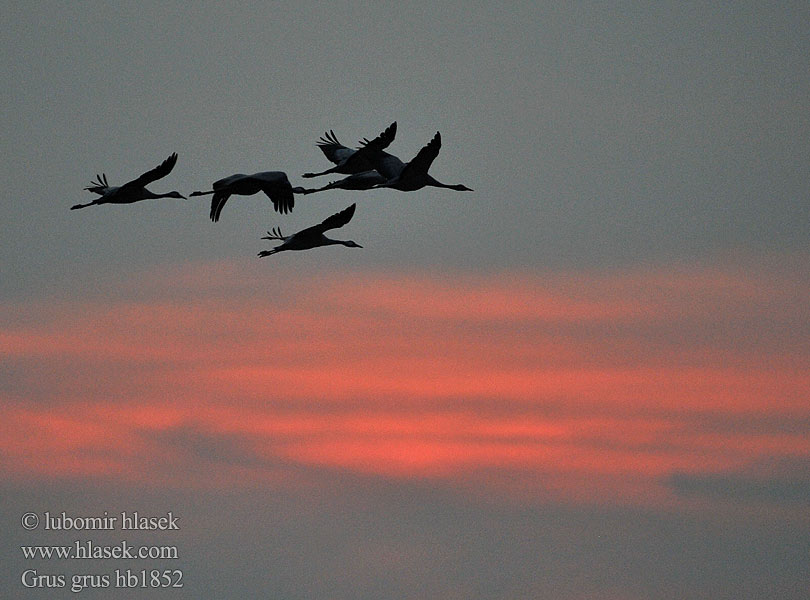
[312,237]
[408,177]
[274,184]
[132,191]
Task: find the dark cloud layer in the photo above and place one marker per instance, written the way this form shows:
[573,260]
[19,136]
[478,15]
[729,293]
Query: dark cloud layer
[365,538]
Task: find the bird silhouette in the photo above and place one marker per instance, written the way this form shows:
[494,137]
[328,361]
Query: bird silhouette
[133,191]
[349,161]
[312,237]
[357,181]
[273,183]
[407,177]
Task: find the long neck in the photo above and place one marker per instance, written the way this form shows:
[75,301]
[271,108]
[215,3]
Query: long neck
[458,187]
[331,242]
[75,206]
[435,183]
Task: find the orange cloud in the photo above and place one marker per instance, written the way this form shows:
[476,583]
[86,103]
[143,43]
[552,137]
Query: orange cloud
[569,385]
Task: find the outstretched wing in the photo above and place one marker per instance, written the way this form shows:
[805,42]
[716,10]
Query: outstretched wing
[382,141]
[158,172]
[425,157]
[366,157]
[229,181]
[339,219]
[334,151]
[283,198]
[217,203]
[276,186]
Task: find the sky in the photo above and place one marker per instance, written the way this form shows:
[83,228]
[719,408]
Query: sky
[587,379]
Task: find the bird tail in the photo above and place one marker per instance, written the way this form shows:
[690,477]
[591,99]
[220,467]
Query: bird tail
[275,234]
[99,186]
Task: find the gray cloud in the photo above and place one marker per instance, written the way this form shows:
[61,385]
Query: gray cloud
[201,446]
[781,488]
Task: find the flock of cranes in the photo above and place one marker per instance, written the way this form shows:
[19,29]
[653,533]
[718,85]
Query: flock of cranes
[366,167]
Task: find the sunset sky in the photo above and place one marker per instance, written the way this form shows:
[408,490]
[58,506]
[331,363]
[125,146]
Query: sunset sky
[588,379]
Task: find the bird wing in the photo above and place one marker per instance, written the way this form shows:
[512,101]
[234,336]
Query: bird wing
[228,181]
[217,203]
[334,151]
[277,187]
[369,153]
[283,199]
[425,157]
[339,219]
[154,174]
[382,141]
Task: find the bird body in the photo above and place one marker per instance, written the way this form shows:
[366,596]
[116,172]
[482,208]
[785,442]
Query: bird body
[273,183]
[312,237]
[133,191]
[387,165]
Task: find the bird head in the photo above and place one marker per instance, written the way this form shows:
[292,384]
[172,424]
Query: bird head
[175,195]
[461,188]
[351,244]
